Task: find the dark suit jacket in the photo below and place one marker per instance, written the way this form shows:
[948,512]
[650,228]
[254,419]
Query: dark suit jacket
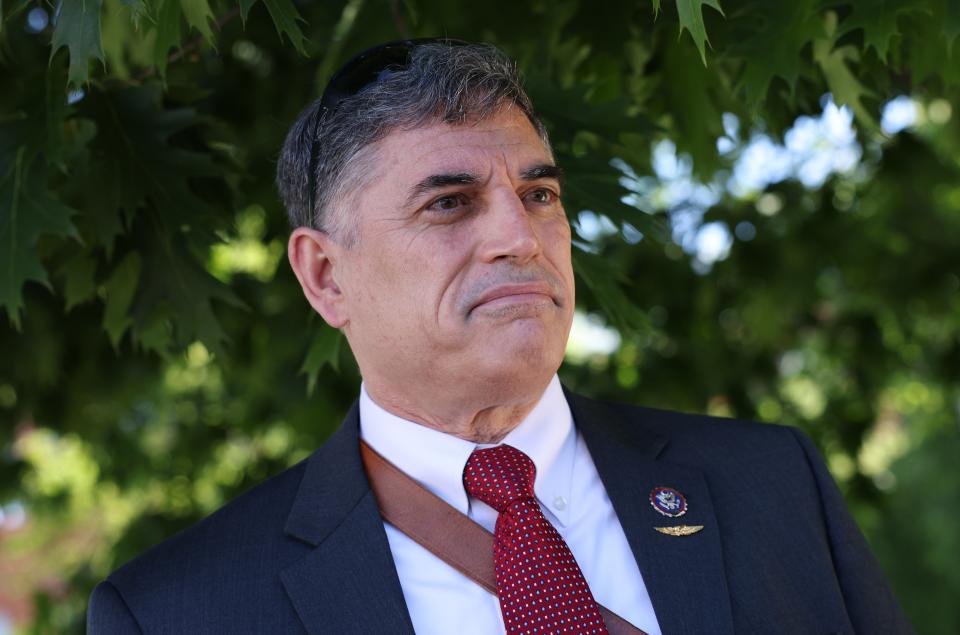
[306,551]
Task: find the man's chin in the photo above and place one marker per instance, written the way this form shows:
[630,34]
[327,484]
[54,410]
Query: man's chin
[521,354]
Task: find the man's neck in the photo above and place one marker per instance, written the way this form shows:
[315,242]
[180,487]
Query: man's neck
[479,423]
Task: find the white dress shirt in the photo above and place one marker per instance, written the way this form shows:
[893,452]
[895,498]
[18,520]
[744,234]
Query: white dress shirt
[440,599]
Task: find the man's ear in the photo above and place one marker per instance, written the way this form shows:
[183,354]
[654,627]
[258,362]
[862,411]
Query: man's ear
[313,256]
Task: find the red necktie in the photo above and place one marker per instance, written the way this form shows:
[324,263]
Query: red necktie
[541,588]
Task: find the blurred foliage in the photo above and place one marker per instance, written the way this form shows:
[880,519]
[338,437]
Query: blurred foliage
[158,357]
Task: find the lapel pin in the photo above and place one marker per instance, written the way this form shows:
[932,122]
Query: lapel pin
[668,501]
[680,530]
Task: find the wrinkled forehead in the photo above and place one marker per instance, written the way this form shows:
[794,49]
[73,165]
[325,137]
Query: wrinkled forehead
[507,140]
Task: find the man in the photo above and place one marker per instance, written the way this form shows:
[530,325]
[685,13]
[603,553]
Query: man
[429,229]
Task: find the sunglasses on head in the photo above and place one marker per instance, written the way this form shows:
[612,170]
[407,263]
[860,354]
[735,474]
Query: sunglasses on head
[366,68]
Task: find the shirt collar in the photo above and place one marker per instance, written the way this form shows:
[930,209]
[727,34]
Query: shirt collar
[436,459]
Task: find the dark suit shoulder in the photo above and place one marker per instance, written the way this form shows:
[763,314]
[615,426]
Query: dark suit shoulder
[738,458]
[783,520]
[698,422]
[700,434]
[224,574]
[108,612]
[226,562]
[258,512]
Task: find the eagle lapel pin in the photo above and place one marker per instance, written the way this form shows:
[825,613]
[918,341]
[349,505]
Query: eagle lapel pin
[672,504]
[668,501]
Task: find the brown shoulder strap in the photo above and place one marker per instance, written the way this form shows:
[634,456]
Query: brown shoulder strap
[443,530]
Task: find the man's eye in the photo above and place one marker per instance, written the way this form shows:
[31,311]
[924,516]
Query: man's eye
[447,203]
[542,196]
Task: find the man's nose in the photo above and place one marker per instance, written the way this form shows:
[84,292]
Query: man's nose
[508,230]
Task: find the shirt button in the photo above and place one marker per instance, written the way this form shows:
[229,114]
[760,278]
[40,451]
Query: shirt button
[560,503]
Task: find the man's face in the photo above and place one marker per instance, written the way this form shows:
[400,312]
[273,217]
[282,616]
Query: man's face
[462,271]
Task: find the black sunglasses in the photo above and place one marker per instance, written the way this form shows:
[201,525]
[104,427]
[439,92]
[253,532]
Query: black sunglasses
[363,69]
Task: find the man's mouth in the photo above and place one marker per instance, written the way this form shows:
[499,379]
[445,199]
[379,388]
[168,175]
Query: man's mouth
[515,293]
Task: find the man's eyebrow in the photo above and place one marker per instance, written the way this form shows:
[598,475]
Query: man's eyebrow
[440,181]
[543,171]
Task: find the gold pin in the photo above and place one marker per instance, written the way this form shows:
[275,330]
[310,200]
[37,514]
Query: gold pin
[680,530]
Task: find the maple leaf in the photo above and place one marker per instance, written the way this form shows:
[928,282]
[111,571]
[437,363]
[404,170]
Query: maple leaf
[120,288]
[691,104]
[144,183]
[771,44]
[79,276]
[177,291]
[569,110]
[132,159]
[78,29]
[27,211]
[951,24]
[168,32]
[878,21]
[606,284]
[199,16]
[595,186]
[926,46]
[285,18]
[324,351]
[691,19]
[245,6]
[843,84]
[138,9]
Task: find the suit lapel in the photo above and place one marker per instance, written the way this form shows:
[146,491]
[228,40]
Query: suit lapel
[683,575]
[348,583]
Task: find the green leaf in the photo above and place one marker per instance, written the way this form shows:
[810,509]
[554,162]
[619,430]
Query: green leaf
[688,96]
[951,24]
[927,50]
[285,17]
[78,29]
[55,109]
[119,289]
[568,110]
[843,84]
[878,21]
[772,45]
[146,182]
[79,275]
[595,185]
[691,19]
[168,33]
[134,161]
[245,6]
[176,294]
[324,350]
[199,16]
[27,211]
[605,283]
[137,10]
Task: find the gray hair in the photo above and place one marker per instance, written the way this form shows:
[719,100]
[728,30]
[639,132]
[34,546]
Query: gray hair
[446,83]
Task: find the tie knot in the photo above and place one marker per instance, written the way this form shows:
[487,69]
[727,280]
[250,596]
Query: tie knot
[499,476]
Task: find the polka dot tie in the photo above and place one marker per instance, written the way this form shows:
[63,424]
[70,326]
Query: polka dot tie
[540,585]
